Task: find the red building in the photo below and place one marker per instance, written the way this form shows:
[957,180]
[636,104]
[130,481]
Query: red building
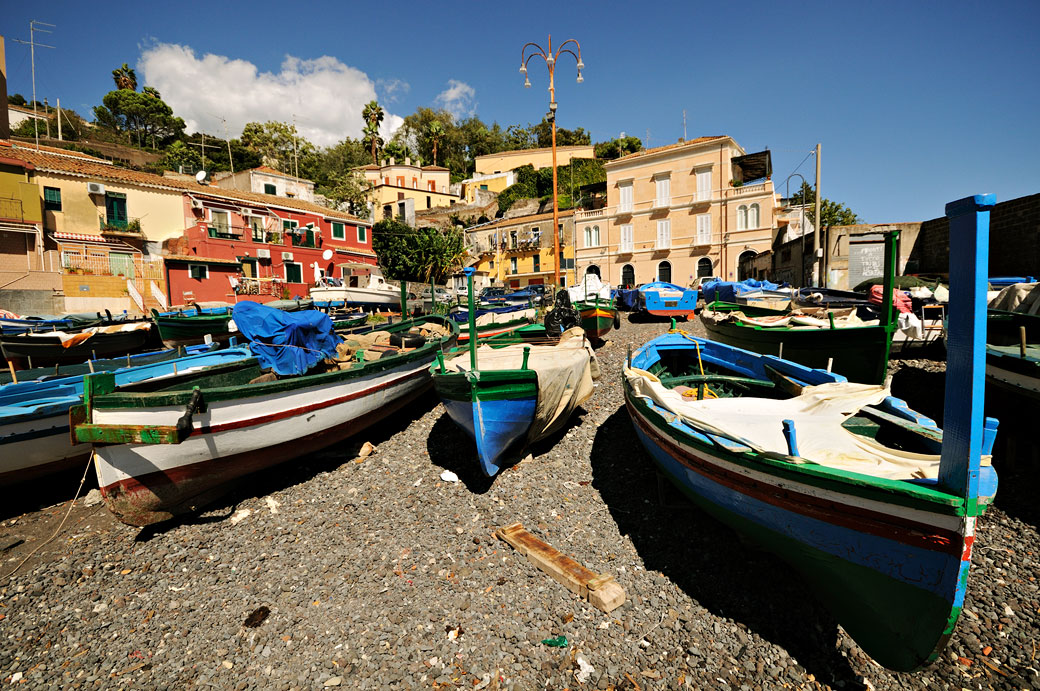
[245,245]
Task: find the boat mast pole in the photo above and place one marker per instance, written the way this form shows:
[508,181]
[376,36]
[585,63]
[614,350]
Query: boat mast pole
[959,467]
[887,288]
[472,319]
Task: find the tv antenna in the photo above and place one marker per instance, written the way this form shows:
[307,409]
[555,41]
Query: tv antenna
[32,52]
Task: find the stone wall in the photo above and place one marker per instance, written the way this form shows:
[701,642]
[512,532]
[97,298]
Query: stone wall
[1014,250]
[32,302]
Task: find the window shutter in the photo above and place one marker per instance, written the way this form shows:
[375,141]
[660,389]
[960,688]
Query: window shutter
[704,185]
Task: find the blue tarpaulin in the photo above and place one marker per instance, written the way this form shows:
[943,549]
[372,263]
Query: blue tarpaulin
[628,300]
[727,291]
[286,342]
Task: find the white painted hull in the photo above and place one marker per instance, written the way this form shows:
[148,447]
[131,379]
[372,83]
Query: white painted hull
[358,296]
[36,447]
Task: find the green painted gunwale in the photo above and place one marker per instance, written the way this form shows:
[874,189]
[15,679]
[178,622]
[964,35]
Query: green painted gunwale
[237,391]
[846,482]
[493,385]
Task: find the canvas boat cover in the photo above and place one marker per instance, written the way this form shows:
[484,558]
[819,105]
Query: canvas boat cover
[807,318]
[462,316]
[286,342]
[490,318]
[74,338]
[727,291]
[565,375]
[589,289]
[1020,297]
[628,300]
[817,414]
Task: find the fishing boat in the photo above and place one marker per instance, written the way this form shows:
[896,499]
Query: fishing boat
[170,450]
[667,300]
[872,503]
[505,395]
[492,321]
[42,348]
[595,303]
[362,286]
[59,370]
[34,415]
[1013,342]
[193,325]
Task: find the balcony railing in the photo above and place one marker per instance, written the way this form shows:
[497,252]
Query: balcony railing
[112,265]
[580,215]
[259,286]
[11,209]
[120,225]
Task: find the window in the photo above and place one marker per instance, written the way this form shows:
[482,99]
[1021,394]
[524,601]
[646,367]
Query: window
[51,199]
[270,189]
[592,269]
[492,264]
[386,180]
[625,201]
[512,265]
[753,217]
[591,236]
[704,185]
[432,186]
[338,233]
[703,267]
[628,275]
[664,272]
[626,238]
[293,272]
[512,239]
[742,217]
[289,225]
[429,202]
[362,234]
[415,183]
[664,234]
[198,271]
[483,187]
[537,263]
[664,191]
[744,272]
[400,181]
[219,223]
[115,210]
[256,224]
[704,229]
[536,234]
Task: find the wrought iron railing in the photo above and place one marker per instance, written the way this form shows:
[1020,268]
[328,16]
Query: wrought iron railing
[123,225]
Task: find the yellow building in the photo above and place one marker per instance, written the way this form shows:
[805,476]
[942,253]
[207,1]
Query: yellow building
[503,161]
[394,183]
[518,252]
[496,182]
[674,213]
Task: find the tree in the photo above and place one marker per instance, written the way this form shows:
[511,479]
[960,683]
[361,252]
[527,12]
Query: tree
[347,188]
[616,148]
[543,135]
[397,150]
[372,114]
[143,113]
[419,255]
[832,213]
[16,99]
[179,155]
[125,78]
[435,132]
[278,144]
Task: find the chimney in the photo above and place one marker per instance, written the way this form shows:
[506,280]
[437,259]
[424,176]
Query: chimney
[5,123]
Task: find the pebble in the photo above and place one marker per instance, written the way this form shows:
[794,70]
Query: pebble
[363,569]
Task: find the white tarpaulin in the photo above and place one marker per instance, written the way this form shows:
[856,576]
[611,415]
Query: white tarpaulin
[817,414]
[565,373]
[1019,297]
[589,289]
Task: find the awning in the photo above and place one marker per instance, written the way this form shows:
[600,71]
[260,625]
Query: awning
[360,253]
[94,241]
[78,237]
[752,166]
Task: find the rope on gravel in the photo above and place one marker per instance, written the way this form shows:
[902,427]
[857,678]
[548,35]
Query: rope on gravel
[57,530]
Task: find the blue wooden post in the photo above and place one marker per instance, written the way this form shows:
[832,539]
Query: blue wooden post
[963,432]
[469,271]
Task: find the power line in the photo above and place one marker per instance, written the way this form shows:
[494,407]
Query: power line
[32,53]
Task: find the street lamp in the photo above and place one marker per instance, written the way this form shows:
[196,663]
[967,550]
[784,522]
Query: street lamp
[551,59]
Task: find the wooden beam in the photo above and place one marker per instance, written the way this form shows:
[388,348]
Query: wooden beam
[600,590]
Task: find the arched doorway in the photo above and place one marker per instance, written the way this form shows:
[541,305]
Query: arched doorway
[741,272]
[628,275]
[593,269]
[704,268]
[664,272]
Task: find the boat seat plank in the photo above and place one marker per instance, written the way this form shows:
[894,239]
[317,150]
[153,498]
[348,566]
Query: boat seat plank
[711,378]
[880,415]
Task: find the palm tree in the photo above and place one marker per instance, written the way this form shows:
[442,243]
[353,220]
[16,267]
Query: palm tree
[372,140]
[372,114]
[435,131]
[125,78]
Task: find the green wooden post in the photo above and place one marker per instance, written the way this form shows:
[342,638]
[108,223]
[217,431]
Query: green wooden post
[472,320]
[527,353]
[887,318]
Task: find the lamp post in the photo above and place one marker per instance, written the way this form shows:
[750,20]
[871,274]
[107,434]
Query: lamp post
[551,59]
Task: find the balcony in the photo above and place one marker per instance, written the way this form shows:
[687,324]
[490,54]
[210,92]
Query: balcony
[11,209]
[116,264]
[580,215]
[119,225]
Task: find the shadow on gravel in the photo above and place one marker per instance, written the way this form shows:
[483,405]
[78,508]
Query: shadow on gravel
[46,491]
[700,555]
[1015,454]
[296,471]
[646,318]
[452,449]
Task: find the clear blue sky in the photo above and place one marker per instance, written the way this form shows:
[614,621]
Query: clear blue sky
[915,103]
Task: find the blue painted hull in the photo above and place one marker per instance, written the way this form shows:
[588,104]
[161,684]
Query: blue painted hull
[667,300]
[495,426]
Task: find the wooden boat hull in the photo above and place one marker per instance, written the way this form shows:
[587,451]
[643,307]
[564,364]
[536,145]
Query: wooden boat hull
[597,321]
[241,434]
[859,353]
[49,350]
[490,330]
[358,298]
[496,411]
[892,570]
[178,330]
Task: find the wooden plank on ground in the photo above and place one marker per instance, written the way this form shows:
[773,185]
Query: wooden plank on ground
[600,590]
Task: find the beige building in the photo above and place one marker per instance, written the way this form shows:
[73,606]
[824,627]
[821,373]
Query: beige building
[503,161]
[393,184]
[518,252]
[674,213]
[267,180]
[495,182]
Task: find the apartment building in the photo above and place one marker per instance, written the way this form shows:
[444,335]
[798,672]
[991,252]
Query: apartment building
[518,252]
[677,212]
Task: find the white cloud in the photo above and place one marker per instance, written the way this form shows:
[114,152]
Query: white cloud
[459,99]
[392,89]
[325,95]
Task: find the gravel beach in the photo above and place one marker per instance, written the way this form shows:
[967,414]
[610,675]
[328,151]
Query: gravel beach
[374,573]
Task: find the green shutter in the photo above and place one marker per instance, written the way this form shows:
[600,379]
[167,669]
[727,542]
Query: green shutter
[338,232]
[361,237]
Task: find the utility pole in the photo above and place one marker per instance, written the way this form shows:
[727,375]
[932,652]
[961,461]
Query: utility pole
[59,119]
[32,53]
[296,160]
[820,279]
[684,124]
[231,161]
